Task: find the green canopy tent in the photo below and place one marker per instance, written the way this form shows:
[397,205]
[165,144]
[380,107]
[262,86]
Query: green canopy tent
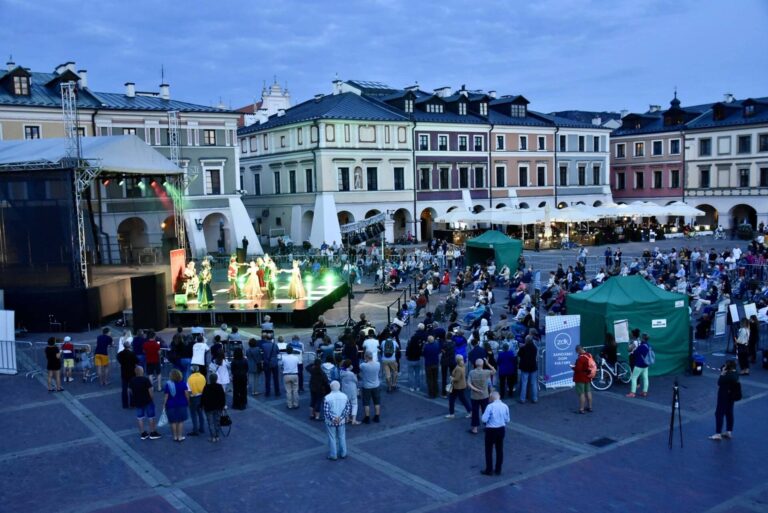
[662,315]
[493,244]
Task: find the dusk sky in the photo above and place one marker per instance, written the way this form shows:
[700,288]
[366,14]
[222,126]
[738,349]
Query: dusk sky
[560,54]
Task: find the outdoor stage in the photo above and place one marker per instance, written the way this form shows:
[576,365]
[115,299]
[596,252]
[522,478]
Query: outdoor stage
[322,292]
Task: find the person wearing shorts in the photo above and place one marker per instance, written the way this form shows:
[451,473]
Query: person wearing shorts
[369,374]
[68,358]
[582,380]
[101,356]
[53,365]
[144,402]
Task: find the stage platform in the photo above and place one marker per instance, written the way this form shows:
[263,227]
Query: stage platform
[322,293]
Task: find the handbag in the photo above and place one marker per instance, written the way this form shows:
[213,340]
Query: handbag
[225,421]
[449,387]
[736,394]
[163,420]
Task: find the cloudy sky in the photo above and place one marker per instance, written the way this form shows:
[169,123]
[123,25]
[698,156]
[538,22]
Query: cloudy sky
[561,54]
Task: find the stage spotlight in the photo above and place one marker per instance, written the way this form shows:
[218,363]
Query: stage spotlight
[121,182]
[153,182]
[166,183]
[141,184]
[105,182]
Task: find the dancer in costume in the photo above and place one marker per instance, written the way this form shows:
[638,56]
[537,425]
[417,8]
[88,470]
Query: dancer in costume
[295,286]
[232,278]
[204,293]
[260,272]
[191,281]
[252,287]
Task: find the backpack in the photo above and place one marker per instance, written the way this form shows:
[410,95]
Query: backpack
[736,394]
[389,348]
[591,366]
[650,358]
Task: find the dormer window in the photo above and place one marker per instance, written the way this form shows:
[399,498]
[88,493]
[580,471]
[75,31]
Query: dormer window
[21,86]
[483,109]
[434,108]
[518,111]
[749,110]
[462,109]
[409,106]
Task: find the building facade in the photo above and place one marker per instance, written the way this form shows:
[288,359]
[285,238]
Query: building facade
[134,217]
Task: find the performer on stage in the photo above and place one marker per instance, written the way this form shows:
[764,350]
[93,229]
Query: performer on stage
[252,287]
[260,272]
[232,278]
[295,286]
[204,293]
[191,281]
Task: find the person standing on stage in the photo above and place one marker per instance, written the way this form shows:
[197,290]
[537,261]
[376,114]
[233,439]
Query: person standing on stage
[232,278]
[495,418]
[204,292]
[252,289]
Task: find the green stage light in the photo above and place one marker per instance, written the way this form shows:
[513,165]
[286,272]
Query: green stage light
[328,280]
[141,184]
[121,182]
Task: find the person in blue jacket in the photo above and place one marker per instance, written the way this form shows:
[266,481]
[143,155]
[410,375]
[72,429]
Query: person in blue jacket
[507,362]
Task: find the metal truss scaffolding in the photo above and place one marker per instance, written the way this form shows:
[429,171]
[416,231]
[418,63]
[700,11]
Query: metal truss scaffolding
[179,184]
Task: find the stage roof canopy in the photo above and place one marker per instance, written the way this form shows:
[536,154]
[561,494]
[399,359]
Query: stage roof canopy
[121,154]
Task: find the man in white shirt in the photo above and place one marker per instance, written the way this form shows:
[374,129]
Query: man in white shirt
[291,378]
[336,411]
[495,417]
[371,345]
[199,350]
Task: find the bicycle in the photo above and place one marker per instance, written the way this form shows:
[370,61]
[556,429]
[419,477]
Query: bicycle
[607,372]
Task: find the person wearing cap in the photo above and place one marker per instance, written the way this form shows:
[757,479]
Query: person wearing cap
[128,363]
[336,410]
[641,367]
[196,384]
[68,358]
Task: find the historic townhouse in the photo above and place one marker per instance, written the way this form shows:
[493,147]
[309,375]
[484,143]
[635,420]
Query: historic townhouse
[416,154]
[134,218]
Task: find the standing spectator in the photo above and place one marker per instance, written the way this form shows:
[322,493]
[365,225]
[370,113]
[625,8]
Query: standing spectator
[507,371]
[742,347]
[640,355]
[349,387]
[255,365]
[138,347]
[582,379]
[53,364]
[528,368]
[413,358]
[239,369]
[197,355]
[431,352]
[298,350]
[495,417]
[369,373]
[479,379]
[220,366]
[177,349]
[127,335]
[728,391]
[101,356]
[143,400]
[175,404]
[196,384]
[336,411]
[291,378]
[754,338]
[270,350]
[447,362]
[128,363]
[68,358]
[214,402]
[459,390]
[371,345]
[152,358]
[318,388]
[389,350]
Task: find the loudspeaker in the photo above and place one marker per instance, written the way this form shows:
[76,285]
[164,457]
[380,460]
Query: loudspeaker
[148,297]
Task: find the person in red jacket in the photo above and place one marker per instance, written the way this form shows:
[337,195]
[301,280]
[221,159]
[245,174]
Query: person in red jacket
[152,355]
[582,378]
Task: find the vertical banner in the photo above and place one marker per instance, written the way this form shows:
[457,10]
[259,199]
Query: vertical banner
[178,263]
[563,335]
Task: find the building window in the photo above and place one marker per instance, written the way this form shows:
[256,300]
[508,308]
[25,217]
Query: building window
[745,144]
[309,180]
[542,143]
[563,143]
[409,106]
[563,176]
[399,178]
[764,177]
[252,144]
[478,143]
[674,179]
[243,145]
[517,111]
[639,149]
[343,178]
[442,143]
[501,173]
[523,143]
[462,109]
[129,131]
[257,184]
[596,144]
[705,147]
[657,180]
[265,140]
[21,86]
[499,142]
[463,143]
[423,142]
[292,181]
[762,144]
[80,132]
[213,181]
[445,174]
[463,178]
[704,178]
[372,174]
[347,135]
[278,188]
[357,182]
[582,143]
[639,180]
[582,175]
[596,174]
[621,151]
[743,177]
[282,141]
[31,132]
[674,146]
[658,148]
[479,177]
[209,137]
[425,175]
[483,109]
[299,136]
[522,176]
[541,178]
[724,145]
[621,182]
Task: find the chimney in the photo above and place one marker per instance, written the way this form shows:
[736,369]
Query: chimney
[319,97]
[165,91]
[280,113]
[728,97]
[492,94]
[654,108]
[337,86]
[10,65]
[624,113]
[597,121]
[70,65]
[130,89]
[83,82]
[60,69]
[443,92]
[261,115]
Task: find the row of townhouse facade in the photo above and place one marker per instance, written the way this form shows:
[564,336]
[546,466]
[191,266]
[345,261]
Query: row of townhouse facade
[712,156]
[131,217]
[368,148]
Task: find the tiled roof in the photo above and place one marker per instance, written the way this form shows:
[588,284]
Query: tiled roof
[118,101]
[42,96]
[568,123]
[586,116]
